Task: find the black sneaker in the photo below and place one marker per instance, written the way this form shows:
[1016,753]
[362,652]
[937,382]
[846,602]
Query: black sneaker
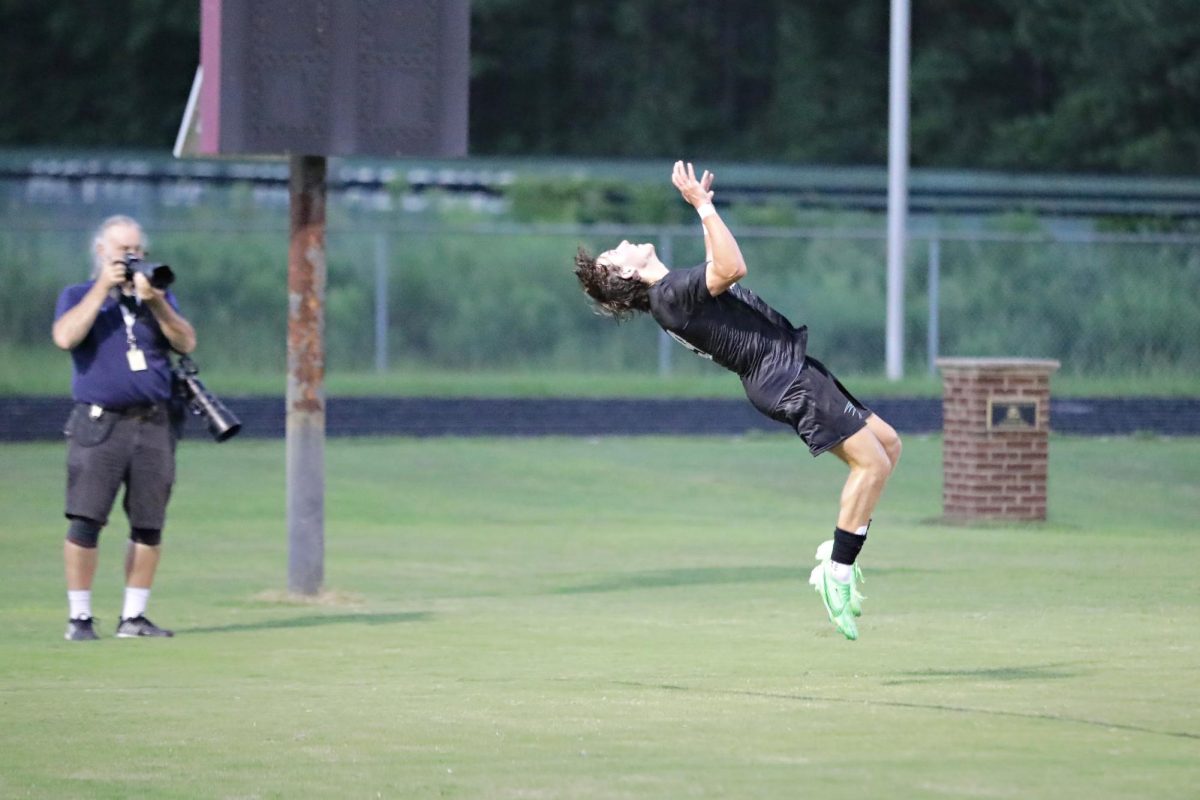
[140,626]
[80,630]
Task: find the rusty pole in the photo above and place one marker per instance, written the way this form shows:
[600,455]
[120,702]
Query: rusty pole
[306,376]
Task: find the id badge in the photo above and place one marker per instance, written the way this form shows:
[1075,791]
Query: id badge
[137,360]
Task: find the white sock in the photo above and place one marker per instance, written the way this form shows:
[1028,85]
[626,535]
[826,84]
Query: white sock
[841,572]
[80,601]
[135,602]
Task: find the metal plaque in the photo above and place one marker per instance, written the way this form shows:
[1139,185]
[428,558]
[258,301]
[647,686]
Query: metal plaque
[1011,414]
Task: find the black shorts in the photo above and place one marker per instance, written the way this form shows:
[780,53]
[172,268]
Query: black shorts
[820,409]
[137,450]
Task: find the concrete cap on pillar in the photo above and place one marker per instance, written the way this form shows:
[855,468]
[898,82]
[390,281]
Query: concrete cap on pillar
[971,364]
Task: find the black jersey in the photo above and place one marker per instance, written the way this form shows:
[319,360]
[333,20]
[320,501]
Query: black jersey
[736,329]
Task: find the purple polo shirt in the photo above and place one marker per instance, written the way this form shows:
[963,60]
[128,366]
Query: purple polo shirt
[101,369]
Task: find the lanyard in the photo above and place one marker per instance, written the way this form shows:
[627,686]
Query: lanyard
[129,318]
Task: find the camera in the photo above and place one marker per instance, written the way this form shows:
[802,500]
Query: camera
[191,395]
[159,275]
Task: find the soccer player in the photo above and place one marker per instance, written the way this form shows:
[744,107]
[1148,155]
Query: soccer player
[706,310]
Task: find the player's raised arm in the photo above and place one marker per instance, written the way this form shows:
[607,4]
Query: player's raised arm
[725,264]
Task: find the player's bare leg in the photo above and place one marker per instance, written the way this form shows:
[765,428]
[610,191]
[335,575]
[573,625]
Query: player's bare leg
[870,468]
[870,454]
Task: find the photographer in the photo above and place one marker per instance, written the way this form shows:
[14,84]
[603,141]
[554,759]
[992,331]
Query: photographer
[120,328]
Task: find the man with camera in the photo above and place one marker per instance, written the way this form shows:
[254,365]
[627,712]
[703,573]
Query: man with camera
[119,328]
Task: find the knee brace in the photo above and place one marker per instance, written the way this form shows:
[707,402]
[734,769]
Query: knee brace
[84,532]
[147,536]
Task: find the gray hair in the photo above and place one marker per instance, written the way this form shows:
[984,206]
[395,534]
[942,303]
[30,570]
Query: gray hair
[115,219]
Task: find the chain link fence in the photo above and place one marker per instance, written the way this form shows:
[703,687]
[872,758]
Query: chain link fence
[447,295]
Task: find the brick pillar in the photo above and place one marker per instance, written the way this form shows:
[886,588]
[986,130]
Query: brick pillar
[996,419]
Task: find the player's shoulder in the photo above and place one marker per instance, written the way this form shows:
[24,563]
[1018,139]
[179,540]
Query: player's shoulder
[679,287]
[684,279]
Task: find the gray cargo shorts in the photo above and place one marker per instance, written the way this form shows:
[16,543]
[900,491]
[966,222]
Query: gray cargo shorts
[134,447]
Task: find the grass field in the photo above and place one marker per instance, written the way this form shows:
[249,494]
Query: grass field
[613,618]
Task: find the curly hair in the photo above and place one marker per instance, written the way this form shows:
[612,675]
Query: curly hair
[615,296]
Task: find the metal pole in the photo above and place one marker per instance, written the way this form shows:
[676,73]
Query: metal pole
[897,187]
[306,376]
[381,302]
[666,254]
[935,292]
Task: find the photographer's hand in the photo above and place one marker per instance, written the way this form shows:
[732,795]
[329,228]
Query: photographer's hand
[111,275]
[73,327]
[145,292]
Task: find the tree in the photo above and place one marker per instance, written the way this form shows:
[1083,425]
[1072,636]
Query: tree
[1098,85]
[115,74]
[1063,85]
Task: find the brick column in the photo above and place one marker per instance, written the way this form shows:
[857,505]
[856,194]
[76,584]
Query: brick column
[996,419]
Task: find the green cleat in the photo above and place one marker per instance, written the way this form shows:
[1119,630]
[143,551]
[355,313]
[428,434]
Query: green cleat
[856,597]
[825,553]
[836,597]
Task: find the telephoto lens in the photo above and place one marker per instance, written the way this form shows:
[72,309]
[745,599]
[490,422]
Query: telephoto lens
[160,275]
[223,424]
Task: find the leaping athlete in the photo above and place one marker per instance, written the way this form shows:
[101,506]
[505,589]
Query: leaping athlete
[705,308]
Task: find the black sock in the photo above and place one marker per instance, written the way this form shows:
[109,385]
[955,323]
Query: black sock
[846,546]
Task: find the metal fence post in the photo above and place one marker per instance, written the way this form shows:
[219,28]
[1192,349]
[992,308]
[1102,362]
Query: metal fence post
[935,269]
[381,302]
[667,256]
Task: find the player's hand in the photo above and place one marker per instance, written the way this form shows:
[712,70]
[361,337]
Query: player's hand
[696,192]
